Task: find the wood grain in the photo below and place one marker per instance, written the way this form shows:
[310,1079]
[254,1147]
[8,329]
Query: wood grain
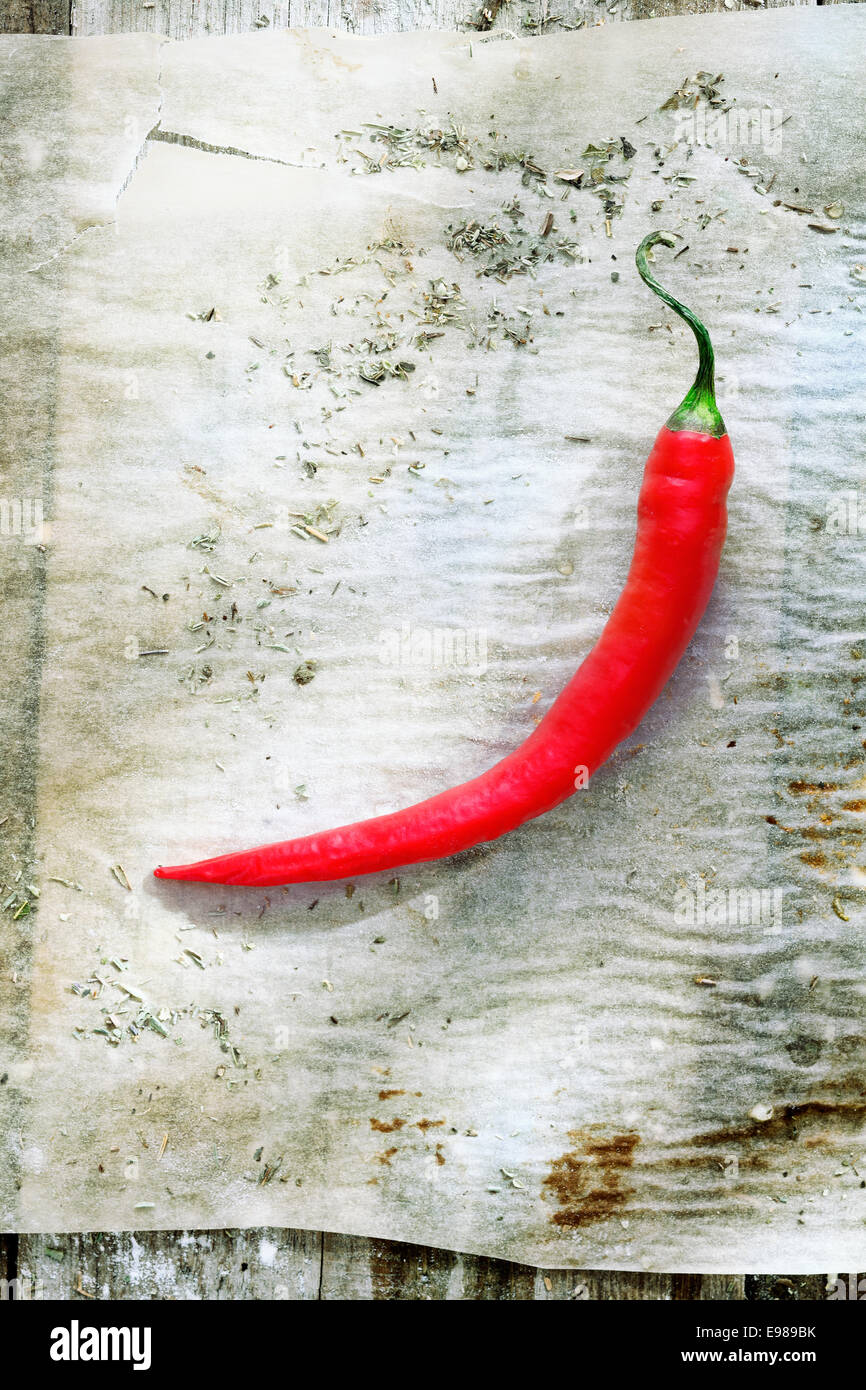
[303,1265]
[300,1266]
[35,17]
[181,19]
[222,1265]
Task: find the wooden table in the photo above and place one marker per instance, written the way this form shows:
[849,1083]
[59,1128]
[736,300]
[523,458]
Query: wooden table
[275,1263]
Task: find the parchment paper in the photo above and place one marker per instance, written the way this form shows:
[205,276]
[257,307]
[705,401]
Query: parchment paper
[303,403]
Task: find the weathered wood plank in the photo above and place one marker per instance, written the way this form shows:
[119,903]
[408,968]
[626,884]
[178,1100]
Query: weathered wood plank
[35,17]
[355,1268]
[304,1266]
[181,19]
[722,1288]
[231,1265]
[662,9]
[275,1264]
[761,1288]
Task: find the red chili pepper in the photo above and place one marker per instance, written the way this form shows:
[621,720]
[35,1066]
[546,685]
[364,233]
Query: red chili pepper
[680,533]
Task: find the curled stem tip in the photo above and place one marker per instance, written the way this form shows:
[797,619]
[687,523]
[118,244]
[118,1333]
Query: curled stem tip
[698,410]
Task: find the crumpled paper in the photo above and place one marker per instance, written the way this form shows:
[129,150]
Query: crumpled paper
[329,384]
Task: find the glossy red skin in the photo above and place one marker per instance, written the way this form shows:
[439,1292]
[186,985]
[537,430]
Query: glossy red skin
[682,519]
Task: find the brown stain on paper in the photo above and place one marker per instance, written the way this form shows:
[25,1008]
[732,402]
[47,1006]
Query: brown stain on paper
[833,1119]
[589,1181]
[387,1126]
[816,859]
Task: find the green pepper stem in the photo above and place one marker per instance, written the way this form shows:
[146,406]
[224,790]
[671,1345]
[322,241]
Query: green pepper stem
[698,409]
